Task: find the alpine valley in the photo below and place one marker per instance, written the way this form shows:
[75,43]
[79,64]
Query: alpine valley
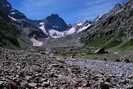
[39,31]
[52,54]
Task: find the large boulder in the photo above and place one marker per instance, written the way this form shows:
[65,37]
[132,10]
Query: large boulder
[100,51]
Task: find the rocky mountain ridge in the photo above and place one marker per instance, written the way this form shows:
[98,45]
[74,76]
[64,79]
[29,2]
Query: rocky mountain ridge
[113,30]
[51,27]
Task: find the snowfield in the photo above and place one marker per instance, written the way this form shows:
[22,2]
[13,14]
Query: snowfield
[36,43]
[79,27]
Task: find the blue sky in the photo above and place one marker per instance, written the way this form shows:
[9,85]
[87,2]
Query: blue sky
[71,11]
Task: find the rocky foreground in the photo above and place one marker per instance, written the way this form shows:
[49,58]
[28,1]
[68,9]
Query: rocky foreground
[37,70]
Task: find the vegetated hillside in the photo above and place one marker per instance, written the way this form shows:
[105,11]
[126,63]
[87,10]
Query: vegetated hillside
[113,30]
[10,36]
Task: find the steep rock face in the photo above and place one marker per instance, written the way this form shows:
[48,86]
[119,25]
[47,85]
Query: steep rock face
[52,22]
[113,31]
[16,14]
[116,9]
[53,25]
[55,22]
[5,6]
[25,24]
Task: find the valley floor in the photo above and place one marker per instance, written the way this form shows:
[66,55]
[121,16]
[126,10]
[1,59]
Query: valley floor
[32,69]
[113,68]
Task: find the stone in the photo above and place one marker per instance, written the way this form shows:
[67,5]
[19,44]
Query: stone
[32,84]
[40,88]
[104,86]
[127,60]
[23,83]
[1,82]
[28,77]
[100,51]
[130,87]
[130,76]
[46,84]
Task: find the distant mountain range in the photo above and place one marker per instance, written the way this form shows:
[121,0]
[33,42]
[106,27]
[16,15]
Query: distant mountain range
[107,31]
[51,27]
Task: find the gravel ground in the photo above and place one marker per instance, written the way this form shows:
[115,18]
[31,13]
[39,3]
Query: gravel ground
[21,69]
[114,68]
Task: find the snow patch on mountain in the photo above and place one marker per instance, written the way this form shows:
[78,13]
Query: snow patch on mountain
[12,13]
[12,18]
[80,24]
[42,27]
[36,43]
[72,30]
[84,28]
[53,33]
[56,34]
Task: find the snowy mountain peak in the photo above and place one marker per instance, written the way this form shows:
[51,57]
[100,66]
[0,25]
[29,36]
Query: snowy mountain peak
[55,22]
[53,26]
[55,33]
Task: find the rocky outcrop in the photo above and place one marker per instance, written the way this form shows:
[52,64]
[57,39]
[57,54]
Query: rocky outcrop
[100,51]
